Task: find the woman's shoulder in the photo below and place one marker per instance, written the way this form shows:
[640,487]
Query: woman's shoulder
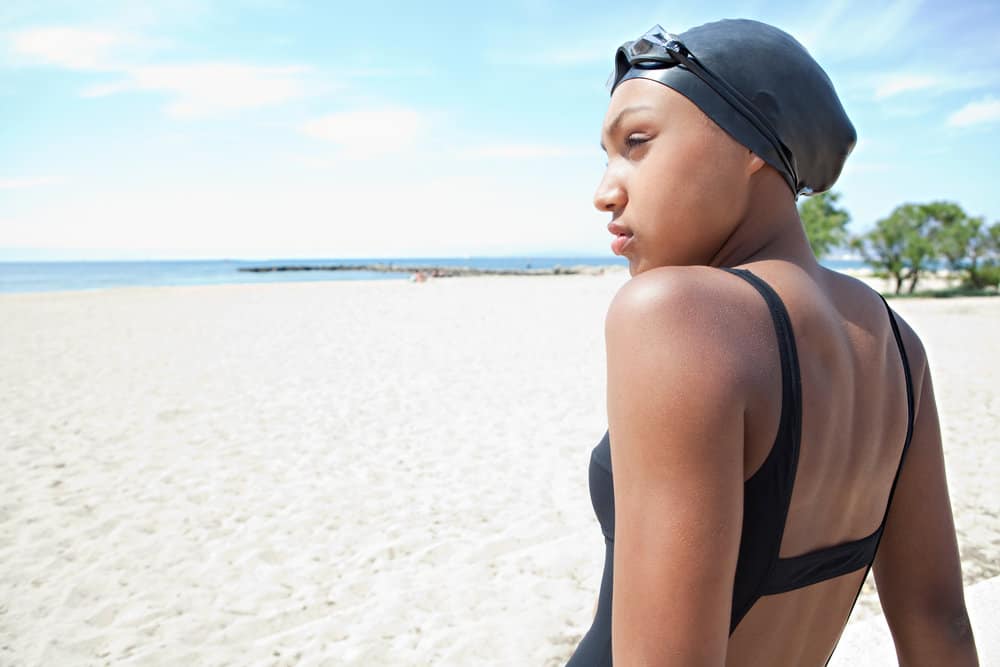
[705,310]
[691,286]
[688,312]
[708,299]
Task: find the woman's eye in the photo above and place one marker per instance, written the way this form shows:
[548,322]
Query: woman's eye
[633,140]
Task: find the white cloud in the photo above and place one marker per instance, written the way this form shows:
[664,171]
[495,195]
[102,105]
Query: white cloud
[845,31]
[895,84]
[890,84]
[506,150]
[421,214]
[23,183]
[976,113]
[194,89]
[820,25]
[374,131]
[73,48]
[885,25]
[206,89]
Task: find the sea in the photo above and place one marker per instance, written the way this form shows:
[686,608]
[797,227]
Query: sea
[58,276]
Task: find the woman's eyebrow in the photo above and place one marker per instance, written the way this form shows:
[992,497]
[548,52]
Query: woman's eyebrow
[618,120]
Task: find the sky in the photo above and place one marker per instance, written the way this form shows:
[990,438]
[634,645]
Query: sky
[274,129]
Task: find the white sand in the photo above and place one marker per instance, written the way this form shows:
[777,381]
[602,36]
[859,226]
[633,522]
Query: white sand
[868,642]
[345,473]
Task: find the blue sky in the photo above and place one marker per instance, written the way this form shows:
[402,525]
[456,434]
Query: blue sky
[342,129]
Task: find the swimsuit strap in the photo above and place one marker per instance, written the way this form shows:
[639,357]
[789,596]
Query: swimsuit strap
[906,446]
[767,494]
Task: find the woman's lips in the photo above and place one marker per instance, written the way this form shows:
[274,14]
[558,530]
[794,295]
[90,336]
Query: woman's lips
[622,237]
[620,243]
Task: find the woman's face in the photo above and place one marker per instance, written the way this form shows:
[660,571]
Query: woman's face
[676,184]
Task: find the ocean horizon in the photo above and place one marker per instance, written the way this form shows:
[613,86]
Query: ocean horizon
[90,275]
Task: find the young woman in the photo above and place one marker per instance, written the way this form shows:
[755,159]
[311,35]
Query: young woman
[764,413]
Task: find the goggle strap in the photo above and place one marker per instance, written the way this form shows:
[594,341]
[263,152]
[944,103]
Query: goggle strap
[682,57]
[749,110]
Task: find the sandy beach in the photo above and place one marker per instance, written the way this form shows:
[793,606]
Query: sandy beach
[354,473]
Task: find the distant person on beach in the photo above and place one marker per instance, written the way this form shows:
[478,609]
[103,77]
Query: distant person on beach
[772,428]
[418,277]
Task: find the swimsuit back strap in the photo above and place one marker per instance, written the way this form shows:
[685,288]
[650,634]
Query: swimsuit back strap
[768,492]
[902,456]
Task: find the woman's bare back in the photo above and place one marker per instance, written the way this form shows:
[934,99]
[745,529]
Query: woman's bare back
[854,425]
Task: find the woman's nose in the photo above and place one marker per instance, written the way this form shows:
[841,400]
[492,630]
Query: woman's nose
[610,195]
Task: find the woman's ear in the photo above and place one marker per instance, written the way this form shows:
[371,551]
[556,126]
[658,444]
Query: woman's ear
[754,163]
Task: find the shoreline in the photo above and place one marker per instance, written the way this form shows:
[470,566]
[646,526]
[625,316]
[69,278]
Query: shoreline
[432,270]
[938,281]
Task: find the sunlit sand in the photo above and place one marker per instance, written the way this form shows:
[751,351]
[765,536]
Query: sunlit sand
[353,473]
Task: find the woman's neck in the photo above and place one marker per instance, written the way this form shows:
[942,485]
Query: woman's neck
[770,230]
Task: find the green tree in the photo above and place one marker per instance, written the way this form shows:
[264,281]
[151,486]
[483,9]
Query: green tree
[825,223]
[984,257]
[953,234]
[899,246]
[968,247]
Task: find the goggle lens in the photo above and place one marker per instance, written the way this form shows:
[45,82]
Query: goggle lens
[654,49]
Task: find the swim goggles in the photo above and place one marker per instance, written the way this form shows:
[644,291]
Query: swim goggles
[658,49]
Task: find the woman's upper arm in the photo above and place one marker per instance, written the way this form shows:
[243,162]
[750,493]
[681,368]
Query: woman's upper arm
[918,569]
[675,413]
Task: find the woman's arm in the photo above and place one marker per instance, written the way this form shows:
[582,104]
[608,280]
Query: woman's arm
[675,413]
[918,571]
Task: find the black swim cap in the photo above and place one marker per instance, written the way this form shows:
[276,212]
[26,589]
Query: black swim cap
[781,82]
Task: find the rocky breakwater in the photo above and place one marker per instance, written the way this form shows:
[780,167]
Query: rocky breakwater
[437,271]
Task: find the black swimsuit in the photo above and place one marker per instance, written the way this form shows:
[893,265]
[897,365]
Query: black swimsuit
[766,498]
